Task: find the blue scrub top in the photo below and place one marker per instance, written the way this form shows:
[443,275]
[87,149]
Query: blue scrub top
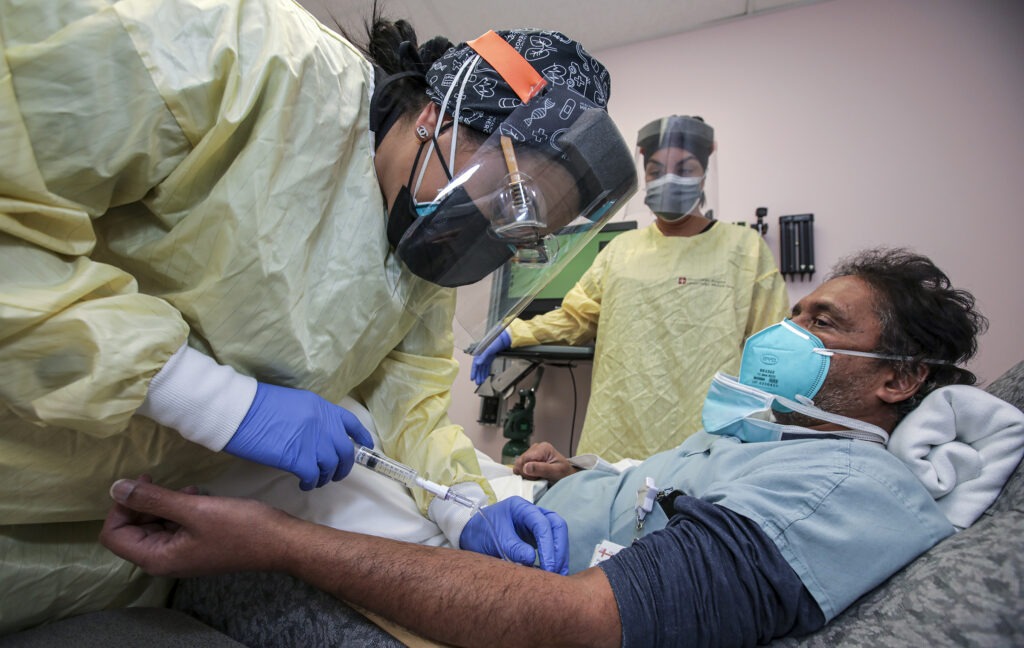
[844,514]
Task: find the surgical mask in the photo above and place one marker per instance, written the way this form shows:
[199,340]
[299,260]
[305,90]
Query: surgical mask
[787,360]
[424,209]
[454,251]
[739,410]
[671,197]
[449,241]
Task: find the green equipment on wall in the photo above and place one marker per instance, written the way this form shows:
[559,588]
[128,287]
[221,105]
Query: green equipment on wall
[518,427]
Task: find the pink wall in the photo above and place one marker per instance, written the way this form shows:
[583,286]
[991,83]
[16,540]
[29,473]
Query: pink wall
[897,122]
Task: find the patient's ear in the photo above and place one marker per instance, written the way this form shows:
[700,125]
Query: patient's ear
[901,385]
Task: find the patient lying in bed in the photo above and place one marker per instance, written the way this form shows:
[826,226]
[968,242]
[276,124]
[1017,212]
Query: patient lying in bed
[771,527]
[962,441]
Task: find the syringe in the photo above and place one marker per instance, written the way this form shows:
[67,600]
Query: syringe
[403,474]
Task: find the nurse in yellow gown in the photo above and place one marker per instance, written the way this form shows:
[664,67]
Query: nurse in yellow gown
[666,306]
[195,262]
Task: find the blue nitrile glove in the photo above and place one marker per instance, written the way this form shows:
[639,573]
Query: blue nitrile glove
[482,363]
[297,431]
[520,526]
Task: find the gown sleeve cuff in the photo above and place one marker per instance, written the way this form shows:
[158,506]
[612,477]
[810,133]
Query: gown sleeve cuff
[593,462]
[204,401]
[453,517]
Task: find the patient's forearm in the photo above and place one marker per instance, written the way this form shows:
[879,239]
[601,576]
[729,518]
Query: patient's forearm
[454,596]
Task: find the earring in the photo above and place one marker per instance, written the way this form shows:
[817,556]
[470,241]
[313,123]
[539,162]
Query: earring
[422,133]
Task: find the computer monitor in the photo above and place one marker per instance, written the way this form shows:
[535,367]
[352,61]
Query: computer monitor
[513,285]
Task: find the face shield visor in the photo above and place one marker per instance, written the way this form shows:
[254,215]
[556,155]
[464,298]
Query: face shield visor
[674,157]
[515,214]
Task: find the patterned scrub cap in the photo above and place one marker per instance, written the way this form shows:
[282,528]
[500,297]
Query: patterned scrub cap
[487,99]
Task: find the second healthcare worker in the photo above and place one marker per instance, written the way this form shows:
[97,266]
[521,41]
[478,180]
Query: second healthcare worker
[668,305]
[220,218]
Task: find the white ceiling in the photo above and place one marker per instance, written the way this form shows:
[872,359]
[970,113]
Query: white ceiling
[598,24]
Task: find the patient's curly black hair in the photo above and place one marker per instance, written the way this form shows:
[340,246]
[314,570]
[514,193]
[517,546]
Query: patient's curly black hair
[922,316]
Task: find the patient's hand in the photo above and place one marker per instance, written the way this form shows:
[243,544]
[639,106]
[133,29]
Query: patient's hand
[542,461]
[170,533]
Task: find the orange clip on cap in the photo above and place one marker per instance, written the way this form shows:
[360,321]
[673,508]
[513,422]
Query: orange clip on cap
[525,81]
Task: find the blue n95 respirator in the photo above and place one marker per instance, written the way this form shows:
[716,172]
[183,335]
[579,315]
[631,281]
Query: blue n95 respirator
[787,360]
[783,368]
[784,359]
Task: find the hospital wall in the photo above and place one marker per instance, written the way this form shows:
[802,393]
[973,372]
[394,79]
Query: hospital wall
[895,123]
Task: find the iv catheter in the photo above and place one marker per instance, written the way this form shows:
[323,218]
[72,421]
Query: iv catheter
[406,475]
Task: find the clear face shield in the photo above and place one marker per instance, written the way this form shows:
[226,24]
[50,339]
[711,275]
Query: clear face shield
[675,160]
[519,210]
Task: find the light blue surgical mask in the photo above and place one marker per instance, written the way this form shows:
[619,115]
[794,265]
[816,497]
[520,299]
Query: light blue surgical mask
[425,209]
[671,197]
[738,410]
[728,402]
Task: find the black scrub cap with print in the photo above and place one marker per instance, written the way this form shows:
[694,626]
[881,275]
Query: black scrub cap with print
[484,99]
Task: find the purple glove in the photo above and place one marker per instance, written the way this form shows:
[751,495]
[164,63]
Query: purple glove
[516,529]
[482,363]
[297,431]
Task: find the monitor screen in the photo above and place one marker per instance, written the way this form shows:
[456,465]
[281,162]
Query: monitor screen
[550,297]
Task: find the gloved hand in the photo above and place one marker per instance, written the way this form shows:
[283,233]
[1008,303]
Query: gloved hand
[482,363]
[520,526]
[297,431]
